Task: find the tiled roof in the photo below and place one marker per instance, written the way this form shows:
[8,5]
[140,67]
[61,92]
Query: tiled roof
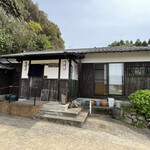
[79,51]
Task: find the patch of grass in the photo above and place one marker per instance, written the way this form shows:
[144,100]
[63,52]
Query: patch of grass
[141,125]
[122,119]
[126,108]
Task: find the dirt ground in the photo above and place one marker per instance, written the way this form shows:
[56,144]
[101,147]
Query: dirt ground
[99,133]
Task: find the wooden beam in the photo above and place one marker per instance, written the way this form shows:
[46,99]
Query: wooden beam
[29,89]
[75,61]
[69,85]
[47,57]
[59,71]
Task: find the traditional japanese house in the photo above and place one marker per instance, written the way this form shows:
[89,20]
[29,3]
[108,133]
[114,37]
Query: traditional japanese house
[88,73]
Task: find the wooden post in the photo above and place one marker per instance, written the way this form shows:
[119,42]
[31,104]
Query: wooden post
[69,84]
[58,83]
[35,97]
[20,82]
[10,90]
[29,89]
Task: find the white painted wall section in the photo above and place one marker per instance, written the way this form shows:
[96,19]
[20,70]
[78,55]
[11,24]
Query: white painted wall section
[51,72]
[117,57]
[74,71]
[25,69]
[64,72]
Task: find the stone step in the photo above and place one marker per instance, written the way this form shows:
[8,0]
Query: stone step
[100,110]
[54,106]
[73,112]
[77,122]
[54,103]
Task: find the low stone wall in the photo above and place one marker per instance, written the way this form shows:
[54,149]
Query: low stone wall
[19,110]
[136,119]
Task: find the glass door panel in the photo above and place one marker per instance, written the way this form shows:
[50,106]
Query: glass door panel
[100,79]
[116,78]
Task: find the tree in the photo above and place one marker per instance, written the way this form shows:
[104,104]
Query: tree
[11,7]
[43,42]
[127,43]
[24,27]
[149,42]
[144,43]
[138,43]
[122,42]
[131,42]
[5,42]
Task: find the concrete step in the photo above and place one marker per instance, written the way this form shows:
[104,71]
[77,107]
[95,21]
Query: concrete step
[77,121]
[55,106]
[73,112]
[100,110]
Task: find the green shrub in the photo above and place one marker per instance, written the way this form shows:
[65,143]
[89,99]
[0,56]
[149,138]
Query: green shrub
[141,101]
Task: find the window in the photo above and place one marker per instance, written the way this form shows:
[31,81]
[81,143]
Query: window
[138,71]
[35,70]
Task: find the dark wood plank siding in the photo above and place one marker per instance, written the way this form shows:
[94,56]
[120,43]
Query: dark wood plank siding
[4,81]
[10,77]
[40,84]
[36,83]
[86,81]
[74,89]
[24,88]
[133,83]
[64,87]
[53,88]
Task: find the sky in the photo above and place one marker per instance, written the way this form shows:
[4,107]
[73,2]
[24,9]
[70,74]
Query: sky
[98,23]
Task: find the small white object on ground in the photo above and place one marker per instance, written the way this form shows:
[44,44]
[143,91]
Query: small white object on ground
[111,102]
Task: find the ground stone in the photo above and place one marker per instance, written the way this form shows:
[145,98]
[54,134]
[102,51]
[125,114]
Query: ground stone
[129,115]
[133,113]
[128,120]
[140,117]
[148,119]
[133,117]
[135,120]
[116,112]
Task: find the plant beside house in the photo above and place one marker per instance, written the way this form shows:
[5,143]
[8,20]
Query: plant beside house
[139,113]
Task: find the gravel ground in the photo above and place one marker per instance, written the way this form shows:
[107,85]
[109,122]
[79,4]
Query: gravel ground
[99,133]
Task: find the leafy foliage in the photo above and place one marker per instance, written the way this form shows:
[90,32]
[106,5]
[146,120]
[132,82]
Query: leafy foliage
[141,101]
[23,27]
[127,43]
[138,43]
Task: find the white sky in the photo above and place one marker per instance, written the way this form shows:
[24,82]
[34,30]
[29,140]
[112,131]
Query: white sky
[97,23]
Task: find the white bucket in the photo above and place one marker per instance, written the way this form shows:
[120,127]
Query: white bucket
[118,104]
[111,102]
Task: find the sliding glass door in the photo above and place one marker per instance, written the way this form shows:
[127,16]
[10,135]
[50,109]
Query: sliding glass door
[109,79]
[100,79]
[116,72]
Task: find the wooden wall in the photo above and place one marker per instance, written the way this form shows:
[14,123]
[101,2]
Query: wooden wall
[86,80]
[24,88]
[52,85]
[40,83]
[10,77]
[133,83]
[74,89]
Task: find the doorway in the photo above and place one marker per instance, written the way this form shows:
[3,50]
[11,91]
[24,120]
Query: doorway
[100,79]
